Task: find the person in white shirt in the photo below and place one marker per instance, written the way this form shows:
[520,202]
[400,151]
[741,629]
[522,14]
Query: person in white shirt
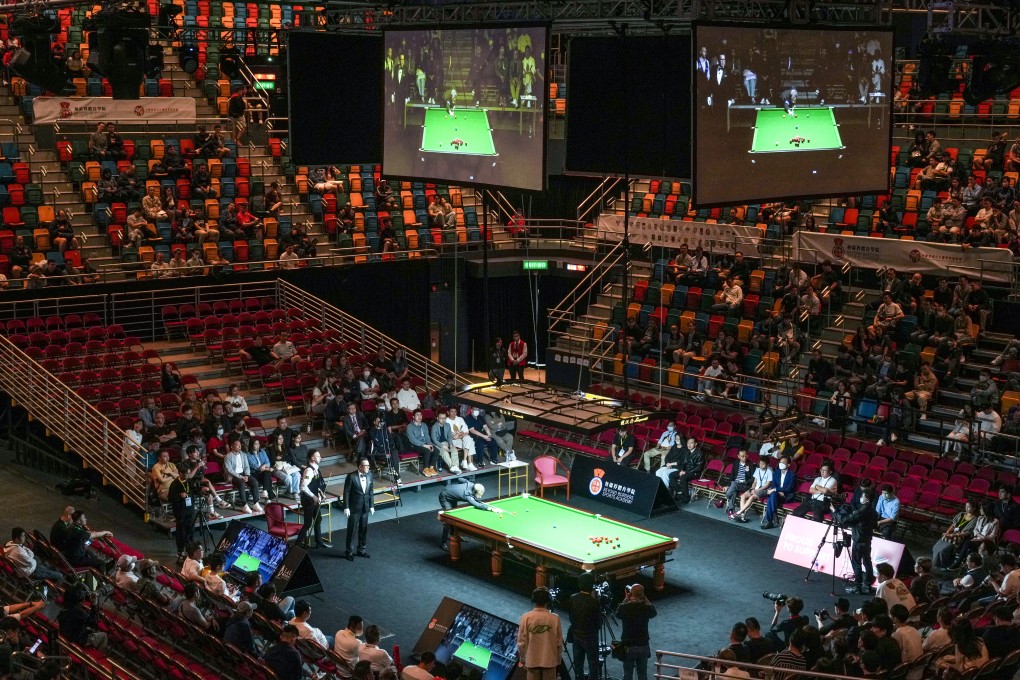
[1006,583]
[368,385]
[667,440]
[723,669]
[346,644]
[24,559]
[422,670]
[822,490]
[908,637]
[302,612]
[237,470]
[133,437]
[732,297]
[371,651]
[939,638]
[891,589]
[759,489]
[289,260]
[462,440]
[192,568]
[214,579]
[408,398]
[707,381]
[126,576]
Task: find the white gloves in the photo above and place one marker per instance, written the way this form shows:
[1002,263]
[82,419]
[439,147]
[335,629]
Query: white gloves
[347,512]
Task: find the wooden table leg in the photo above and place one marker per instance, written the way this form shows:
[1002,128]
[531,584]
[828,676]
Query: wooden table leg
[454,546]
[660,576]
[541,576]
[497,561]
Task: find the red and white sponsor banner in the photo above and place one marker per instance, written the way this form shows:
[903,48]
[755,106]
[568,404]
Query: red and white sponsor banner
[801,537]
[942,259]
[721,239]
[87,109]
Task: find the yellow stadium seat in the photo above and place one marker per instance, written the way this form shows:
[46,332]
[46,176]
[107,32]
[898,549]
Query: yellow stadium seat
[666,294]
[89,193]
[1009,400]
[212,209]
[146,254]
[157,147]
[93,171]
[42,239]
[674,374]
[272,226]
[46,214]
[215,167]
[272,248]
[686,321]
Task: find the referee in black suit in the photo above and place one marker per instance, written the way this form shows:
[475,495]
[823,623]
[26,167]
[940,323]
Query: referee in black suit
[359,503]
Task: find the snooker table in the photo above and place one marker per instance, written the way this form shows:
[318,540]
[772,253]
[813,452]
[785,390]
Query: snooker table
[470,127]
[775,130]
[553,535]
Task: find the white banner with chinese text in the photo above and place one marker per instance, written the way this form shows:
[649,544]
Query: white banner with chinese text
[720,239]
[84,109]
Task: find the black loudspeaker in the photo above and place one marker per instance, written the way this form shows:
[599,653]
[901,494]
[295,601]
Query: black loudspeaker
[906,567]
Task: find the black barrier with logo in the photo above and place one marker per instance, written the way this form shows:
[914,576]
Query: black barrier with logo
[622,487]
[297,575]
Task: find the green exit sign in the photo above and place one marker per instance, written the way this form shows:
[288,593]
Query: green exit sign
[536,264]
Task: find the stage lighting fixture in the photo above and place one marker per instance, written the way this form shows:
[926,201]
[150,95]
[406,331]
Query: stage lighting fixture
[34,60]
[230,62]
[187,57]
[935,60]
[995,70]
[123,39]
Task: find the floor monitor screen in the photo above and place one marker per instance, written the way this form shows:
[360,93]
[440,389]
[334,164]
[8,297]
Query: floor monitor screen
[466,106]
[254,550]
[478,641]
[787,113]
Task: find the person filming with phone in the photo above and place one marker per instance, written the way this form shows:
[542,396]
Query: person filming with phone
[634,614]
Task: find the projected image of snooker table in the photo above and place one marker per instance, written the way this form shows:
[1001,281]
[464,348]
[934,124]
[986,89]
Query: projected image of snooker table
[555,536]
[471,653]
[805,129]
[466,132]
[246,562]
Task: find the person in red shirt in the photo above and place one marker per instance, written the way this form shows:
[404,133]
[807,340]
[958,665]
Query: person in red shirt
[516,357]
[251,225]
[515,227]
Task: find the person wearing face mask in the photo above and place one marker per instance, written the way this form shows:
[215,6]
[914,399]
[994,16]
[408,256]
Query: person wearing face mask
[667,440]
[784,482]
[486,447]
[862,521]
[762,482]
[822,489]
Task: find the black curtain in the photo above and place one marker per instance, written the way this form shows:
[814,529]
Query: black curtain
[389,296]
[561,200]
[511,307]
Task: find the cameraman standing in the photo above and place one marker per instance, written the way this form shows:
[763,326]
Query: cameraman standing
[862,521]
[585,621]
[634,613]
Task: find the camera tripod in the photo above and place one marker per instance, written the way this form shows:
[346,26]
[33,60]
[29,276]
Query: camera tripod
[607,634]
[838,544]
[204,532]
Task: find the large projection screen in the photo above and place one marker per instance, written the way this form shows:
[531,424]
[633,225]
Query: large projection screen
[790,113]
[466,106]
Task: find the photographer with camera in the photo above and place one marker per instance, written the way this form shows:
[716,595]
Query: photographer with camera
[583,633]
[829,625]
[634,613]
[781,631]
[862,521]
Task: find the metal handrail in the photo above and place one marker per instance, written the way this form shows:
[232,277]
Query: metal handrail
[66,415]
[351,328]
[593,202]
[669,665]
[592,279]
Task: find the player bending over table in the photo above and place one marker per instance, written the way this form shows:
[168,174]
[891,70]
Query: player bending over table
[462,491]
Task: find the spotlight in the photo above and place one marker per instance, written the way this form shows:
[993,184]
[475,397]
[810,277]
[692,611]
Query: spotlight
[187,57]
[996,69]
[34,60]
[230,62]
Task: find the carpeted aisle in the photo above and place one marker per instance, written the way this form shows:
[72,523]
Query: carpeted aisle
[716,578]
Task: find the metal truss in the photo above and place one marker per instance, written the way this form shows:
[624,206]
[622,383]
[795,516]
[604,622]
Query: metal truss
[985,19]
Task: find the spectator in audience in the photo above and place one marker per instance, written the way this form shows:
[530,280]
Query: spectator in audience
[128,185]
[23,558]
[667,440]
[238,473]
[888,315]
[730,298]
[371,651]
[289,259]
[284,349]
[190,611]
[284,658]
[1003,637]
[238,630]
[634,614]
[784,484]
[1005,583]
[969,650]
[273,199]
[888,508]
[201,183]
[761,482]
[261,467]
[945,552]
[938,638]
[822,490]
[820,370]
[250,225]
[975,573]
[98,142]
[346,644]
[684,346]
[62,233]
[891,589]
[302,612]
[79,624]
[76,540]
[21,258]
[422,670]
[741,475]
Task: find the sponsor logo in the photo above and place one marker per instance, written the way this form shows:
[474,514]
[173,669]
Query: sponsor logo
[915,255]
[838,249]
[595,486]
[139,111]
[65,110]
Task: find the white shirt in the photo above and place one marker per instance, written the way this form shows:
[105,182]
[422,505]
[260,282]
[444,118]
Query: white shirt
[289,260]
[307,632]
[132,437]
[894,591]
[376,655]
[408,400]
[734,672]
[128,580]
[910,641]
[828,483]
[667,440]
[762,478]
[346,645]
[458,425]
[192,570]
[767,449]
[937,639]
[1010,584]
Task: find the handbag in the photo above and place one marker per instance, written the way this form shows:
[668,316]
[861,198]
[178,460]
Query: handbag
[619,650]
